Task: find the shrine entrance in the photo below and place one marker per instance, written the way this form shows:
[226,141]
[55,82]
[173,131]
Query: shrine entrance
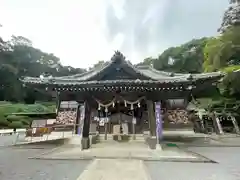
[120,117]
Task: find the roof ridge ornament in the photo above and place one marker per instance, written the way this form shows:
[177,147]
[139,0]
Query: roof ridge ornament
[118,56]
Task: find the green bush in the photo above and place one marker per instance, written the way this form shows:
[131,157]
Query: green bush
[16,124]
[26,122]
[16,118]
[4,122]
[8,108]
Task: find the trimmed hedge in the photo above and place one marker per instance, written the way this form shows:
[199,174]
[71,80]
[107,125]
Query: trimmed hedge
[16,124]
[12,118]
[4,122]
[20,121]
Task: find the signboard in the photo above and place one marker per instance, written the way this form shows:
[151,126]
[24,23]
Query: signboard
[34,130]
[101,121]
[39,123]
[106,119]
[51,121]
[68,105]
[158,120]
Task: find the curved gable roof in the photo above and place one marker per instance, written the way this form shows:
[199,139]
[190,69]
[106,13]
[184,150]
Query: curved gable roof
[137,72]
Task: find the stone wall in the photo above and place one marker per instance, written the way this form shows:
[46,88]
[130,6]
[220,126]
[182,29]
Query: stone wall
[176,119]
[66,117]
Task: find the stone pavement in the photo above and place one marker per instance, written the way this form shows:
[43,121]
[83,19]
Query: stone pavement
[14,164]
[109,169]
[226,168]
[126,150]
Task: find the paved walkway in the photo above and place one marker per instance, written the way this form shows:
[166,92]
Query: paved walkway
[22,168]
[106,169]
[125,150]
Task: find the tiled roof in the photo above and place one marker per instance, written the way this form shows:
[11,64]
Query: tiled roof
[145,74]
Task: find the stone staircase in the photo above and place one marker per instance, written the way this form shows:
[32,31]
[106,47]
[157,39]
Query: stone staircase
[139,138]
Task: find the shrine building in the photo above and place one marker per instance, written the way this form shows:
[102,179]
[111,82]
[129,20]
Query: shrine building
[125,95]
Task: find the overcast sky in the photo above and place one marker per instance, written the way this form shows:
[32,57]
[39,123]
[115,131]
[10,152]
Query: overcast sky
[81,32]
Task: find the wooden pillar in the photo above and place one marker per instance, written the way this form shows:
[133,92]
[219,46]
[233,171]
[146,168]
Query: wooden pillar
[58,103]
[86,127]
[77,124]
[151,117]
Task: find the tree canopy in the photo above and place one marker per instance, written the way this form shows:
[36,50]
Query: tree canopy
[19,58]
[186,58]
[222,53]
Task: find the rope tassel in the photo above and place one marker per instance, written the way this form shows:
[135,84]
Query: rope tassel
[106,109]
[131,106]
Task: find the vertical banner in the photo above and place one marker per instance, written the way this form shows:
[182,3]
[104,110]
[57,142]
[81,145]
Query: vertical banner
[158,120]
[82,116]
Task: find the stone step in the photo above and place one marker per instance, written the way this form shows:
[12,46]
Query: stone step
[138,137]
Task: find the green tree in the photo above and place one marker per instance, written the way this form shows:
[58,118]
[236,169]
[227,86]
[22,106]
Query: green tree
[19,58]
[186,58]
[222,51]
[98,64]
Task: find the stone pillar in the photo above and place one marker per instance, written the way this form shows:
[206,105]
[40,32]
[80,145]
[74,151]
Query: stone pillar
[235,124]
[215,122]
[86,127]
[151,117]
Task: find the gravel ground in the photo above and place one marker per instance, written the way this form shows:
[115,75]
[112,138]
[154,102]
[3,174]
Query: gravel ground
[15,165]
[227,167]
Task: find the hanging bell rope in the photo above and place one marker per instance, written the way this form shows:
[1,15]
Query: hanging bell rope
[106,109]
